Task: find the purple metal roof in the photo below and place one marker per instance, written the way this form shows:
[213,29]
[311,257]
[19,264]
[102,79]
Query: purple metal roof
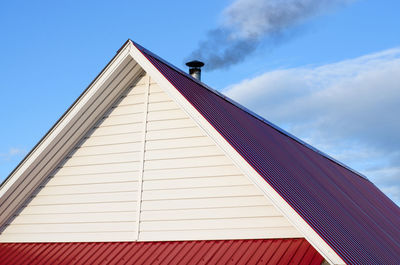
[348,211]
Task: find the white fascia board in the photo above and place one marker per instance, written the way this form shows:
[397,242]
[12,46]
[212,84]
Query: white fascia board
[34,158]
[315,240]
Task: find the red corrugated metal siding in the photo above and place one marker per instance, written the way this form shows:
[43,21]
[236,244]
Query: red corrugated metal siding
[351,214]
[262,251]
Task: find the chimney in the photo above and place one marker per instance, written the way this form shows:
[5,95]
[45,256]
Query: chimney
[195,69]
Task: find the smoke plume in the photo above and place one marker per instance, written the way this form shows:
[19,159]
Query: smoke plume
[248,23]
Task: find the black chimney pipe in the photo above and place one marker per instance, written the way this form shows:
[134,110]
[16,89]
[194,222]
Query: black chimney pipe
[195,69]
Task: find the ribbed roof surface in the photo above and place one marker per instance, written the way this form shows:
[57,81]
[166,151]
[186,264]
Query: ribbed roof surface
[349,212]
[267,251]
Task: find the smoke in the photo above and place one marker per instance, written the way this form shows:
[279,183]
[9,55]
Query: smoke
[248,23]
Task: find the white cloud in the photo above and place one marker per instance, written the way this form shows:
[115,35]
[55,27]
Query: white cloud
[348,109]
[11,153]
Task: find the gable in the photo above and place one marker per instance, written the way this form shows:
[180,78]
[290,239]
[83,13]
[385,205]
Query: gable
[146,172]
[324,199]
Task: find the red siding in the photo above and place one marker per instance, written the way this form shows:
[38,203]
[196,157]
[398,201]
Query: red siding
[266,251]
[349,212]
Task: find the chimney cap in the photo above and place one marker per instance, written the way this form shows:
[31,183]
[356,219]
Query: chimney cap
[195,63]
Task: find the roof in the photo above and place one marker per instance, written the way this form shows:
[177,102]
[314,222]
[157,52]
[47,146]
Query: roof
[359,222]
[267,251]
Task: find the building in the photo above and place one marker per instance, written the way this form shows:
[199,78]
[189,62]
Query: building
[149,165]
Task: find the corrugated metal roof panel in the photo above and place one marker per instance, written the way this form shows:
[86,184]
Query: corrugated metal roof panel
[349,212]
[271,251]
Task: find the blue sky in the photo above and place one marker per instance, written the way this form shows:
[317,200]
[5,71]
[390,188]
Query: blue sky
[332,77]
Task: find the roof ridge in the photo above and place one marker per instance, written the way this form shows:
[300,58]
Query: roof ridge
[250,112]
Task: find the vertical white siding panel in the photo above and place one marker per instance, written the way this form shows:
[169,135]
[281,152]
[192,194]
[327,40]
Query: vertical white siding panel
[192,190]
[142,156]
[92,196]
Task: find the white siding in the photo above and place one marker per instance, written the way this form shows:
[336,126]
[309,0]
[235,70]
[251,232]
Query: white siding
[92,195]
[192,190]
[155,166]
